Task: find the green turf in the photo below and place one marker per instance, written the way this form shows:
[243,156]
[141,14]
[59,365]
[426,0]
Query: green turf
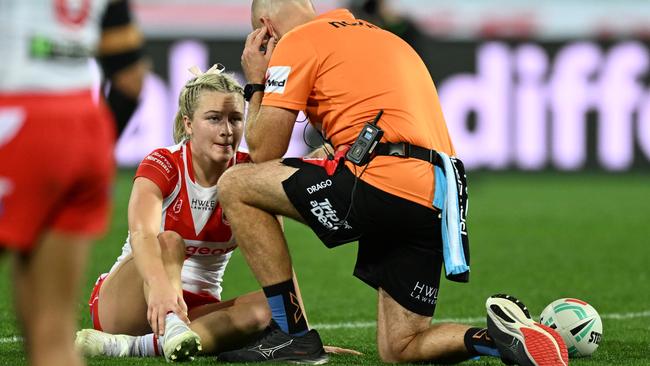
[536,236]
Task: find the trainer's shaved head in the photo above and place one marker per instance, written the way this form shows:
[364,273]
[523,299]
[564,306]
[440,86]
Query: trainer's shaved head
[283,15]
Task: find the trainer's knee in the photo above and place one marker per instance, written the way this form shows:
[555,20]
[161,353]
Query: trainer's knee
[171,245]
[231,184]
[392,353]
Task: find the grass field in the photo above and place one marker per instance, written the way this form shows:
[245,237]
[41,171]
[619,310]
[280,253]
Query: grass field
[536,236]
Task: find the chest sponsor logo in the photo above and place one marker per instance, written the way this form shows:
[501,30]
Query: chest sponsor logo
[318,186]
[191,250]
[277,78]
[203,205]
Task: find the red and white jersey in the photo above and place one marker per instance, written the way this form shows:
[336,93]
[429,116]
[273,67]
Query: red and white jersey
[47,44]
[194,213]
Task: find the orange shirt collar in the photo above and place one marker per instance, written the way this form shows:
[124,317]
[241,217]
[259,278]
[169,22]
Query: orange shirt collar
[336,14]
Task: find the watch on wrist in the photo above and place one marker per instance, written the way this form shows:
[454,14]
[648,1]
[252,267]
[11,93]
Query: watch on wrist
[251,89]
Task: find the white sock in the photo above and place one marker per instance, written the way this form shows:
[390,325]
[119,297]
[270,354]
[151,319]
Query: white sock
[147,346]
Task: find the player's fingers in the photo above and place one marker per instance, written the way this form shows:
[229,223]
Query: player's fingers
[270,46]
[251,36]
[182,304]
[153,320]
[161,322]
[341,351]
[259,37]
[182,313]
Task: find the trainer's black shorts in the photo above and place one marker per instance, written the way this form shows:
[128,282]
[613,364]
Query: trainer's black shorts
[400,242]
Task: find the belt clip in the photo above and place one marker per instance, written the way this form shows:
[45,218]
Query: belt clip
[400,149]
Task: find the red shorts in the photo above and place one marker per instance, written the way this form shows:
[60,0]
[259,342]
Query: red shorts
[56,166]
[192,301]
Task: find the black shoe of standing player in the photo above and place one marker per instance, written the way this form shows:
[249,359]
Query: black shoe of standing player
[275,345]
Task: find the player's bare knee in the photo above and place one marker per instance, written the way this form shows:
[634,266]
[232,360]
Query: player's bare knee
[260,317]
[171,244]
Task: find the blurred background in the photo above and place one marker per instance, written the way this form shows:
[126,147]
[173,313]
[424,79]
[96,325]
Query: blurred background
[524,85]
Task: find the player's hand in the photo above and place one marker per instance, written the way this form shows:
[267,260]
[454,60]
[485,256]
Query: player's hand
[341,351]
[163,299]
[257,54]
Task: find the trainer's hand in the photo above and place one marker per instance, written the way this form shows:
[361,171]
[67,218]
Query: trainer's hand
[254,61]
[163,299]
[341,351]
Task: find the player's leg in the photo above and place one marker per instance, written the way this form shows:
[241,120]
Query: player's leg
[230,324]
[221,326]
[117,316]
[46,283]
[121,305]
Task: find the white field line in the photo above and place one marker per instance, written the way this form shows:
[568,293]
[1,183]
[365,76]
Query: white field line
[354,325]
[368,324]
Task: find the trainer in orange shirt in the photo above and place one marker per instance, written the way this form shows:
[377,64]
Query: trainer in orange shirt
[344,72]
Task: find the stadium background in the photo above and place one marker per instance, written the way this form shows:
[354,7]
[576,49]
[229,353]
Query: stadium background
[548,103]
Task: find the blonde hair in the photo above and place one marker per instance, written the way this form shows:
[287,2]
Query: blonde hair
[214,80]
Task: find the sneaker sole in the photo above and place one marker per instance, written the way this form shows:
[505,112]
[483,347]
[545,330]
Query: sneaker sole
[315,361]
[186,349]
[521,339]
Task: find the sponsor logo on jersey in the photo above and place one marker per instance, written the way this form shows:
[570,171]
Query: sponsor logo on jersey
[160,161]
[191,250]
[177,206]
[276,79]
[203,205]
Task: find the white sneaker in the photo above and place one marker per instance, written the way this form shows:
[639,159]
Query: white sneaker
[91,342]
[180,343]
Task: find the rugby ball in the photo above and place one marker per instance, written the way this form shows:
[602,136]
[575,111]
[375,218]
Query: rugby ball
[577,322]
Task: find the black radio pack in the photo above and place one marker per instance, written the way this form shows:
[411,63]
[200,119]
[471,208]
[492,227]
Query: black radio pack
[361,150]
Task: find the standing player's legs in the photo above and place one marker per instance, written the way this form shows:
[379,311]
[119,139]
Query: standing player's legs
[56,169]
[46,283]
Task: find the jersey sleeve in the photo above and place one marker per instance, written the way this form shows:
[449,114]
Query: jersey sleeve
[160,168]
[291,74]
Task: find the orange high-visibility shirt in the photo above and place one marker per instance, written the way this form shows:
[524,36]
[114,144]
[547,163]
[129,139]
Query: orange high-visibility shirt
[341,71]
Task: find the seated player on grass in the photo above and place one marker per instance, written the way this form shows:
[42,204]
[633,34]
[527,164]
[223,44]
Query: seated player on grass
[169,275]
